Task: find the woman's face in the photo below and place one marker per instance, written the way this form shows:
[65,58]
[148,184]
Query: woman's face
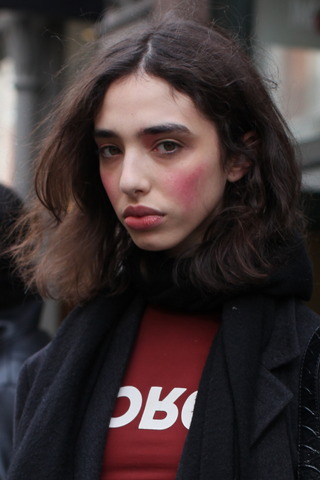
[160,163]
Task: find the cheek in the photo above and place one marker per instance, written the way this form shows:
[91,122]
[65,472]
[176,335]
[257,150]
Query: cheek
[185,187]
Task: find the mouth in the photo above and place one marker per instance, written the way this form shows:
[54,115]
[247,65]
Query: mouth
[142,218]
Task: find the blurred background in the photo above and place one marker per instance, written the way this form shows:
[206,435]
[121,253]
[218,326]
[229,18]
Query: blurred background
[38,38]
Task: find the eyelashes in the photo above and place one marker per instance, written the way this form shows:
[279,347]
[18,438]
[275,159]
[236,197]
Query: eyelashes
[108,151]
[168,146]
[165,147]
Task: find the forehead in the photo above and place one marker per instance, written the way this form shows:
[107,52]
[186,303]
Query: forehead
[139,101]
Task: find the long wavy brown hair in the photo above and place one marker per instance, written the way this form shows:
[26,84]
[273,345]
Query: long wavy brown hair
[72,245]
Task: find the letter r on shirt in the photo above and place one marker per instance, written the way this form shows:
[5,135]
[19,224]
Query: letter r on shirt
[167,405]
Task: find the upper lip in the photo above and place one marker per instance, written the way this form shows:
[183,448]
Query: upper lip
[140,211]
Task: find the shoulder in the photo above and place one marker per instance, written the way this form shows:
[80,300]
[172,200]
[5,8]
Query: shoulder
[28,374]
[71,330]
[33,364]
[39,370]
[82,330]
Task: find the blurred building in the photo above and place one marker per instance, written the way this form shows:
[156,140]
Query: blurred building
[288,31]
[37,38]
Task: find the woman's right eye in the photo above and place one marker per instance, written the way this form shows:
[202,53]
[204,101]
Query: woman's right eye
[108,151]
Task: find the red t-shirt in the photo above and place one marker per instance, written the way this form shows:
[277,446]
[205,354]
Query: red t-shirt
[155,403]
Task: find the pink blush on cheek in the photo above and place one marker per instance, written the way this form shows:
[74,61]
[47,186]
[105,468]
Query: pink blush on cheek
[185,186]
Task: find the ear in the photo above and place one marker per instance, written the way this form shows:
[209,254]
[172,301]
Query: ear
[239,166]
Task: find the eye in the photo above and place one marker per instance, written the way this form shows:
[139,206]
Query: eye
[109,151]
[168,146]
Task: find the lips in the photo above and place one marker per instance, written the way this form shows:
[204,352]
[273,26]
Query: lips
[142,218]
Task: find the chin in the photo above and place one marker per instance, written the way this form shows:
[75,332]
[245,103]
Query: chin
[152,245]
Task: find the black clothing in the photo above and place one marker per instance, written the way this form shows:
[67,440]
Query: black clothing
[11,288]
[19,339]
[245,420]
[294,277]
[19,334]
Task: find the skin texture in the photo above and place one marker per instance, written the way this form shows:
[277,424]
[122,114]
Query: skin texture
[156,150]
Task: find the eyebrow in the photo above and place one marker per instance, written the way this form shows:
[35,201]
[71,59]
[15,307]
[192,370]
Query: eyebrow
[165,128]
[154,130]
[100,133]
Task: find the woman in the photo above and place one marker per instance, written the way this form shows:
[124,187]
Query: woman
[167,208]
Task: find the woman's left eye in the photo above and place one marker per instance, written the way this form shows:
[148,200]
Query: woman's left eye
[167,147]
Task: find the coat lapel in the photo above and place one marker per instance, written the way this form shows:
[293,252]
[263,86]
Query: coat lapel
[90,447]
[272,395]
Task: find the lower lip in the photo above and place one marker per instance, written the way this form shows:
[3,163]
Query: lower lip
[144,223]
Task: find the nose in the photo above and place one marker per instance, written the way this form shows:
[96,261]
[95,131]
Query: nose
[134,179]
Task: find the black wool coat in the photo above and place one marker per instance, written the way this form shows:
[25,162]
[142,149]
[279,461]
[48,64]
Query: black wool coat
[67,393]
